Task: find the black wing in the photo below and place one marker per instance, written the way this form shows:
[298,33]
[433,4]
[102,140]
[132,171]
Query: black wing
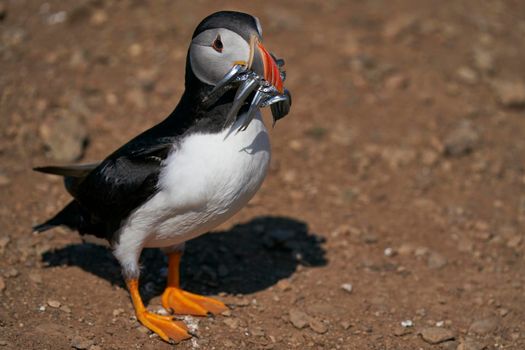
[106,193]
[121,183]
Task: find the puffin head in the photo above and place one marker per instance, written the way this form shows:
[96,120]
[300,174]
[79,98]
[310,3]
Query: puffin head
[225,39]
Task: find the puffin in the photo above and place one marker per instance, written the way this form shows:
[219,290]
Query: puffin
[190,172]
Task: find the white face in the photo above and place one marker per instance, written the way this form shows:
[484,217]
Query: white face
[215,51]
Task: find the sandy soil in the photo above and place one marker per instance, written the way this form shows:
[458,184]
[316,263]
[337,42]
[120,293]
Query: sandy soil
[399,173]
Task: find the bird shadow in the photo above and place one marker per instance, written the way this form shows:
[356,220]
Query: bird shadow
[245,259]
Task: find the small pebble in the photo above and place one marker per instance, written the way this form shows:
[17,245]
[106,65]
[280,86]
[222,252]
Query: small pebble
[4,241]
[65,137]
[514,241]
[317,326]
[135,50]
[389,252]
[66,309]
[397,82]
[257,332]
[510,93]
[11,272]
[436,335]
[436,261]
[81,343]
[421,251]
[346,324]
[35,277]
[54,303]
[467,75]
[298,318]
[99,17]
[233,323]
[284,285]
[2,284]
[347,287]
[461,140]
[407,323]
[4,180]
[228,343]
[370,238]
[242,302]
[117,312]
[484,60]
[226,313]
[484,326]
[401,331]
[470,344]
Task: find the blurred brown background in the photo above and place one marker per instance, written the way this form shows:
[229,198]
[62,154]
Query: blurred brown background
[400,171]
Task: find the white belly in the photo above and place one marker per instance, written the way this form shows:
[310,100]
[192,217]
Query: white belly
[204,182]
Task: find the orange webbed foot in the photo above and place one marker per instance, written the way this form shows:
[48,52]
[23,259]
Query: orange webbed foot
[166,328]
[186,303]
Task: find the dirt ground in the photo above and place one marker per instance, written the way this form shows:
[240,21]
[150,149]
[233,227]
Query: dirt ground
[395,194]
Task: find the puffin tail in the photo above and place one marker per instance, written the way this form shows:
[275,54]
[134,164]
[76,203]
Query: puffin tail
[73,175]
[75,170]
[69,217]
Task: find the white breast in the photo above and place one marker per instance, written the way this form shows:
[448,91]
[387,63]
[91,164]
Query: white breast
[206,180]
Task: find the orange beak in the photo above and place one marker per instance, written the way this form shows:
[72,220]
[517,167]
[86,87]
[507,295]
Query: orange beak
[263,64]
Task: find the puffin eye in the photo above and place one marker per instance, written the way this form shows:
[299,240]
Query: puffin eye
[217,44]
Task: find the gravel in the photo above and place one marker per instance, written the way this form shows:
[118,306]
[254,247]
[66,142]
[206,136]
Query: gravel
[484,326]
[483,60]
[346,324]
[397,82]
[64,137]
[470,344]
[510,93]
[347,287]
[467,75]
[4,180]
[81,343]
[436,261]
[231,322]
[436,335]
[4,241]
[284,285]
[117,312]
[407,323]
[461,140]
[317,326]
[298,318]
[401,331]
[54,303]
[11,272]
[65,309]
[35,277]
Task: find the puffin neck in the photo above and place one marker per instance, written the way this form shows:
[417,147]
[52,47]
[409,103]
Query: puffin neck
[195,116]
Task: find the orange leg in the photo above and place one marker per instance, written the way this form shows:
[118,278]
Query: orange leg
[164,326]
[182,302]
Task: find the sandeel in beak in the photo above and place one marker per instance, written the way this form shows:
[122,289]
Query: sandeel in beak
[263,74]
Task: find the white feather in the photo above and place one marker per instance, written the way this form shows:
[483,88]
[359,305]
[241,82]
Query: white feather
[206,180]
